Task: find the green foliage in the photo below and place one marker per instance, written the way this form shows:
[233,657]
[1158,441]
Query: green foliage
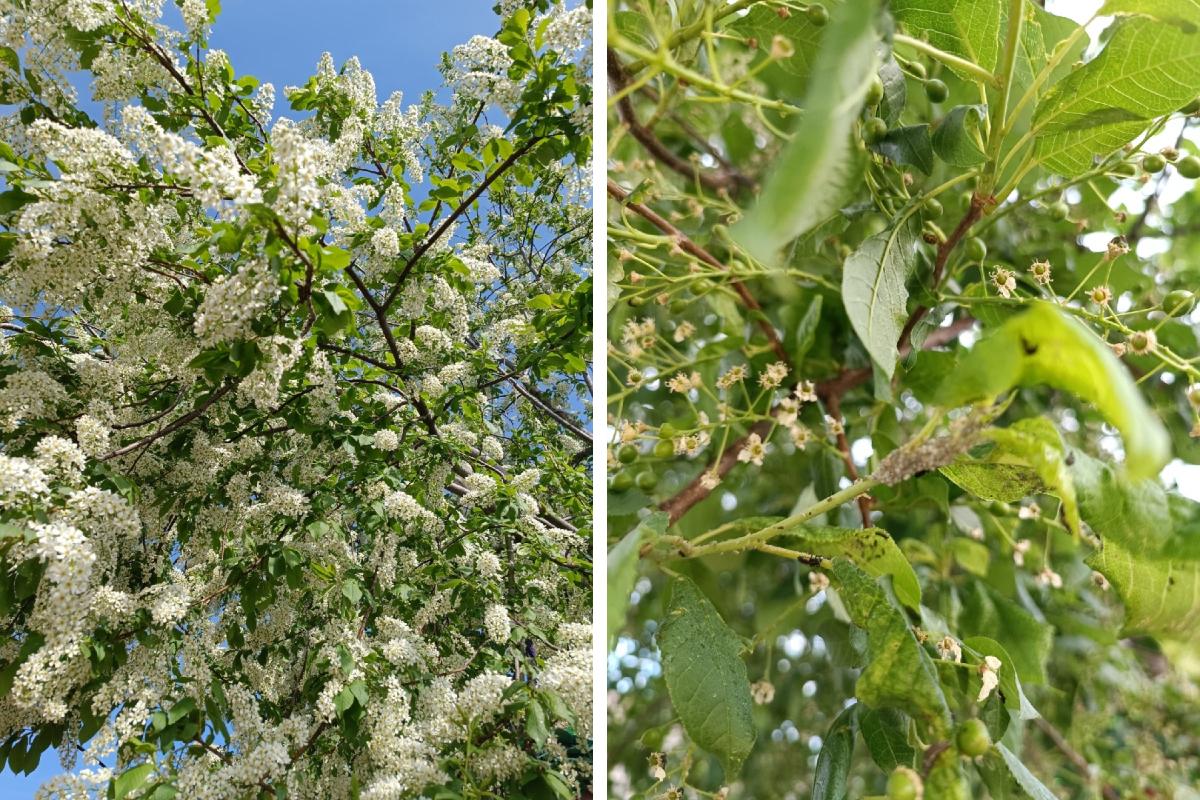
[902,326]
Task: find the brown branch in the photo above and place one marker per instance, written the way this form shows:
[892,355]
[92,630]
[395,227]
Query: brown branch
[721,181]
[174,426]
[688,246]
[1078,761]
[682,502]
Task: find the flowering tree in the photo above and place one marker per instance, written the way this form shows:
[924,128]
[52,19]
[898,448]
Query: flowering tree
[293,410]
[900,344]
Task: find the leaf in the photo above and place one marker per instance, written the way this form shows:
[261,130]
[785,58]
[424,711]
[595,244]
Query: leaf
[1148,69]
[535,723]
[1161,595]
[884,731]
[907,145]
[957,138]
[1184,13]
[874,291]
[706,677]
[806,330]
[985,612]
[808,182]
[132,779]
[833,762]
[899,673]
[1046,346]
[895,88]
[351,590]
[762,24]
[1134,513]
[946,780]
[622,568]
[967,28]
[1010,683]
[1032,786]
[871,549]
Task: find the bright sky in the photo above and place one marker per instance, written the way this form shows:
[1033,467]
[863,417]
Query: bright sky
[399,41]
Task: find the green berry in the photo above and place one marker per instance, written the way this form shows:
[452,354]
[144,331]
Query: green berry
[1153,163]
[976,249]
[637,301]
[664,449]
[1059,210]
[817,15]
[973,739]
[1192,107]
[1124,169]
[936,91]
[874,129]
[646,481]
[1179,302]
[931,208]
[621,482]
[678,306]
[1189,167]
[918,70]
[666,431]
[627,454]
[904,784]
[874,92]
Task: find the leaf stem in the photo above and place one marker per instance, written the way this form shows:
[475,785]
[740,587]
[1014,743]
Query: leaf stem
[997,127]
[949,59]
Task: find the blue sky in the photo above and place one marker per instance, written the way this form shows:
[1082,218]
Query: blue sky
[399,41]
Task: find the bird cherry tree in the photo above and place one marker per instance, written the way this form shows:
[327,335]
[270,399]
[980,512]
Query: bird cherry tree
[901,339]
[293,414]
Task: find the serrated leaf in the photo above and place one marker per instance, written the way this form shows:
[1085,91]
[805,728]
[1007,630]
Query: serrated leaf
[132,779]
[967,28]
[871,549]
[885,732]
[762,25]
[706,677]
[957,138]
[895,88]
[1030,784]
[874,291]
[808,181]
[907,145]
[1161,595]
[832,771]
[1044,345]
[899,673]
[622,567]
[1133,512]
[1148,68]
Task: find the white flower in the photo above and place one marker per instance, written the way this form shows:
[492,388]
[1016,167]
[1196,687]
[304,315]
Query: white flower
[753,450]
[988,673]
[385,439]
[496,623]
[948,648]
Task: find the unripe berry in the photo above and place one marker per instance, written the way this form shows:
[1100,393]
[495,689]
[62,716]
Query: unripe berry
[973,739]
[817,15]
[976,249]
[664,449]
[905,784]
[936,91]
[1059,210]
[1124,169]
[874,92]
[646,481]
[627,454]
[1179,302]
[1189,167]
[931,208]
[873,130]
[918,70]
[621,482]
[1153,163]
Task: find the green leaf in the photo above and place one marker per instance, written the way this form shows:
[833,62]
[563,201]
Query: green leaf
[132,779]
[808,182]
[535,723]
[351,590]
[1132,512]
[874,291]
[13,199]
[946,780]
[1148,69]
[884,731]
[985,612]
[907,145]
[806,330]
[1010,684]
[1161,595]
[762,24]
[970,29]
[1184,13]
[899,673]
[706,677]
[622,567]
[1046,346]
[837,751]
[1031,785]
[871,549]
[957,139]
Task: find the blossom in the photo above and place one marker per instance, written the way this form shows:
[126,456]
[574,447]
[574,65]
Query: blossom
[988,674]
[1143,342]
[763,692]
[497,623]
[773,375]
[683,383]
[1005,281]
[948,648]
[1101,295]
[1040,270]
[753,450]
[735,374]
[385,439]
